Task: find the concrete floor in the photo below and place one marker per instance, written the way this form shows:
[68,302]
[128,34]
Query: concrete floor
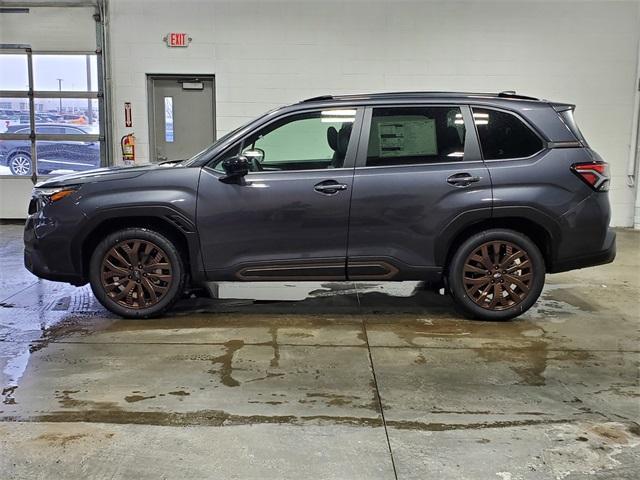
[351,383]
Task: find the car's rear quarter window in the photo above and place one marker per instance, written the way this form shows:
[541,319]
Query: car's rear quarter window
[503,135]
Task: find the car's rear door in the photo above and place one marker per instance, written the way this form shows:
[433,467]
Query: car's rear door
[419,178]
[288,218]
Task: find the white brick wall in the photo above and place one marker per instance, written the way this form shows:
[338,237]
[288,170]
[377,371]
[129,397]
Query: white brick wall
[268,53]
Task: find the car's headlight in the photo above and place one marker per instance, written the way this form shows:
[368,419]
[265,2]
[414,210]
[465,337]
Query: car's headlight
[50,195]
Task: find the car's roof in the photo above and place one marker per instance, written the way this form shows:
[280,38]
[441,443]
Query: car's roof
[507,95]
[40,124]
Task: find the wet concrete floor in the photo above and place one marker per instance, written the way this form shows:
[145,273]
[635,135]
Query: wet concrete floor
[357,381]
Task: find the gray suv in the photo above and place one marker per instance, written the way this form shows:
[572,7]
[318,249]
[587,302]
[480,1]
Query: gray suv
[482,194]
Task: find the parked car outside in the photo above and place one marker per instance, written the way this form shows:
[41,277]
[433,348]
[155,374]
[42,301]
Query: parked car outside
[75,119]
[480,194]
[52,155]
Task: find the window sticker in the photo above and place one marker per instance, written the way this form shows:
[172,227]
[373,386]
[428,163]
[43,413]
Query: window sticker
[407,137]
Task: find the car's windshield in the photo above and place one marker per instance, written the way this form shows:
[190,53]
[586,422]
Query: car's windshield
[198,156]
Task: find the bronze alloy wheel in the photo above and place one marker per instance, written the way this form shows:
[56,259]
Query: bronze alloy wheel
[136,273]
[497,275]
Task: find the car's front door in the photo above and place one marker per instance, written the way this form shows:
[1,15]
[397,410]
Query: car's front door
[288,219]
[419,177]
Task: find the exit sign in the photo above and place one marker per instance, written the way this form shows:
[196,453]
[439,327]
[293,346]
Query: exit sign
[177,39]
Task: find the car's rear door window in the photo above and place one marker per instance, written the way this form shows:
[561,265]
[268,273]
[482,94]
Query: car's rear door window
[415,135]
[50,130]
[503,135]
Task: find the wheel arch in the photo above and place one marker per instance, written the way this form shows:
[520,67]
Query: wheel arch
[26,151]
[172,224]
[541,229]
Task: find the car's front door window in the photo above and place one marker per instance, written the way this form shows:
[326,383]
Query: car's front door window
[307,141]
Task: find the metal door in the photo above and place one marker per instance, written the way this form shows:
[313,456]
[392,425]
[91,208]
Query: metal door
[181,116]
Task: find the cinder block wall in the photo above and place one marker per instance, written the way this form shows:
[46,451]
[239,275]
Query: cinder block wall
[267,53]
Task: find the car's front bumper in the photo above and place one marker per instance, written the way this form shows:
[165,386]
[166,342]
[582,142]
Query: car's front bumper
[47,249]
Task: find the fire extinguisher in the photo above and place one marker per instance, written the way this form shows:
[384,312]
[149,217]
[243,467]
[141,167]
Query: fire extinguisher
[128,145]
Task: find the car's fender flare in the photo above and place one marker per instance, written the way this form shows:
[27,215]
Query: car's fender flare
[176,220]
[472,217]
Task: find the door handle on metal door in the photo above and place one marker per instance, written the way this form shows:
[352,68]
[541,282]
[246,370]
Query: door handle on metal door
[462,179]
[329,187]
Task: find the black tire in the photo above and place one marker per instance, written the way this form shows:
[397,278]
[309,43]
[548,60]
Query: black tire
[521,278]
[157,288]
[20,164]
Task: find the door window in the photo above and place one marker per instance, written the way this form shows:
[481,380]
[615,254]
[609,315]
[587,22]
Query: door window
[51,130]
[503,135]
[307,141]
[73,131]
[415,135]
[168,119]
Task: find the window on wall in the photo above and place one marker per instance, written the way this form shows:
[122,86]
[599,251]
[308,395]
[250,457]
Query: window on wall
[66,113]
[503,135]
[415,135]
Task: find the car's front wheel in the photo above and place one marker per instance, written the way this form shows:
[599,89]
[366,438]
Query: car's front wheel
[137,273]
[497,274]
[20,164]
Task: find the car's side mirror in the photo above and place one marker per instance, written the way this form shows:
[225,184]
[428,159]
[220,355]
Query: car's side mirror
[235,168]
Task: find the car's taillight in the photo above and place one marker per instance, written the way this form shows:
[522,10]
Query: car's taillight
[594,174]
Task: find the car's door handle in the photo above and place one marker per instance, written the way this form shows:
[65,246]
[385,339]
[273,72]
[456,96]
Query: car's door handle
[462,179]
[329,187]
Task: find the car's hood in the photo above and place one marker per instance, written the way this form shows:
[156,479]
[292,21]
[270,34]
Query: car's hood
[99,175]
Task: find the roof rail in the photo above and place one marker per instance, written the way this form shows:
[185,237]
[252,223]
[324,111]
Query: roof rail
[513,94]
[382,95]
[318,98]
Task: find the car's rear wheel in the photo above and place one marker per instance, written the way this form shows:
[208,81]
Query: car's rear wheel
[496,275]
[20,164]
[137,273]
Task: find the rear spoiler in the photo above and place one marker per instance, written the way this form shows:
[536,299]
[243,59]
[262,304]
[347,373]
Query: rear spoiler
[562,107]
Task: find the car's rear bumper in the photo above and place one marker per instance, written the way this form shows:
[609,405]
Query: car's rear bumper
[605,255]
